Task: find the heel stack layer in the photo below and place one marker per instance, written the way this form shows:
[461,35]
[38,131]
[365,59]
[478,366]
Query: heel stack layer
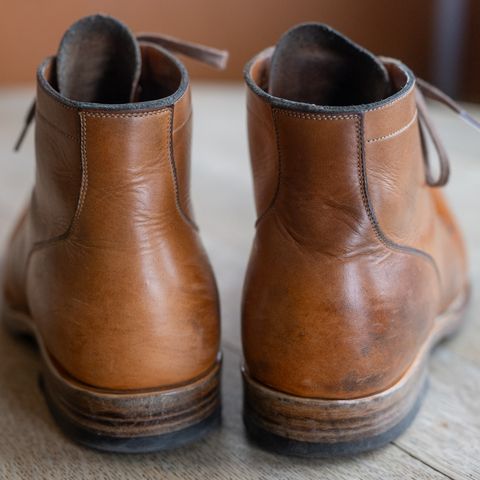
[320,427]
[134,421]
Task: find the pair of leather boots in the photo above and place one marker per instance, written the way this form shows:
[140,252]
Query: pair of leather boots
[357,268]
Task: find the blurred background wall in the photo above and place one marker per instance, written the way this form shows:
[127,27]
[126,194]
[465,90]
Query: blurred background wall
[439,39]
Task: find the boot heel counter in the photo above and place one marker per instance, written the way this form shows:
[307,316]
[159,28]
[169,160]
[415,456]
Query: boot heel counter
[127,299]
[344,329]
[125,322]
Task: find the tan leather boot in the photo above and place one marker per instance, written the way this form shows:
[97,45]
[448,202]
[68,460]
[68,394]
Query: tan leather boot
[358,267]
[106,267]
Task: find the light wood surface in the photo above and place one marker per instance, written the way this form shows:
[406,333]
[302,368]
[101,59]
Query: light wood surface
[444,441]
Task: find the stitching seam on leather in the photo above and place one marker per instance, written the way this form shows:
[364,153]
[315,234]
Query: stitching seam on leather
[396,132]
[81,198]
[125,115]
[314,116]
[362,177]
[279,170]
[173,169]
[84,180]
[302,115]
[84,159]
[171,156]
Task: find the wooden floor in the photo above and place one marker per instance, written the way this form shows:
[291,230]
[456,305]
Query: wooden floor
[444,441]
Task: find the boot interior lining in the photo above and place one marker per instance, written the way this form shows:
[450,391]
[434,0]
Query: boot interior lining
[98,61]
[313,64]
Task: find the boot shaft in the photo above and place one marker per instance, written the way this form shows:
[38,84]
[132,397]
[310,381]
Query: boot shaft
[326,171]
[102,172]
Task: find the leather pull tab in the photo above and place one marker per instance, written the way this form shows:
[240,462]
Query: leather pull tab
[208,55]
[28,121]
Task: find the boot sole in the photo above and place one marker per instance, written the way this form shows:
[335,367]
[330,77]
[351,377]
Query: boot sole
[319,428]
[137,421]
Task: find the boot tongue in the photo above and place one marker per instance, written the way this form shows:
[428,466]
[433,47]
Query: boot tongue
[314,64]
[98,61]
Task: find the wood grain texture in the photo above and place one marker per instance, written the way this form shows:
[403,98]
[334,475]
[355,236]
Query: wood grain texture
[447,433]
[444,441]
